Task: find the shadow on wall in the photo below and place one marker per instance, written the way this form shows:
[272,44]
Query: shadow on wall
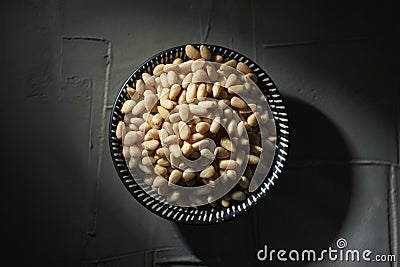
[306,208]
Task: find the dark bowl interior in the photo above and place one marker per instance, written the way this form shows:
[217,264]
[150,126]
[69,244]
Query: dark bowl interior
[203,215]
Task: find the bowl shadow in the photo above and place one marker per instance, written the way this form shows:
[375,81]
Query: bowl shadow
[304,210]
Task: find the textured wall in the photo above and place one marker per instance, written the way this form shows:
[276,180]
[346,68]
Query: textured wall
[64,62]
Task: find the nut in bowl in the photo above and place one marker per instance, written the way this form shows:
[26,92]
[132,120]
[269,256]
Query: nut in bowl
[199,134]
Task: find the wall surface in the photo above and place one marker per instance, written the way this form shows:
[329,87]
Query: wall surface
[335,62]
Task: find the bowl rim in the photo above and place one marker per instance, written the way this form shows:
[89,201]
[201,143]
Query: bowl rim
[208,215]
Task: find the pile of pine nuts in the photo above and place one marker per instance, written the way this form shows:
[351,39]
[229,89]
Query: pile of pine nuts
[166,119]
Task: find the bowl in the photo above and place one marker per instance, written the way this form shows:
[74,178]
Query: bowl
[203,215]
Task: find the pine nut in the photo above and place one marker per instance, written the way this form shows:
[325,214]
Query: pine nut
[226,143]
[184,131]
[131,138]
[172,78]
[253,159]
[237,102]
[127,106]
[205,53]
[201,92]
[187,149]
[175,91]
[197,110]
[202,127]
[252,119]
[191,92]
[157,69]
[151,134]
[227,164]
[192,52]
[238,196]
[175,176]
[242,67]
[119,130]
[151,144]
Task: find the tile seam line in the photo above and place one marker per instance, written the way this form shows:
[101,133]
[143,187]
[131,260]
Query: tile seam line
[319,41]
[92,227]
[392,214]
[351,162]
[124,255]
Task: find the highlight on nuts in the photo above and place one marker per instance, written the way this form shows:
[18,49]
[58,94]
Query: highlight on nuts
[197,130]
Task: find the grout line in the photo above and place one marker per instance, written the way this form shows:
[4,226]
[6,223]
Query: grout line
[253,22]
[125,255]
[92,227]
[102,133]
[319,41]
[313,163]
[392,213]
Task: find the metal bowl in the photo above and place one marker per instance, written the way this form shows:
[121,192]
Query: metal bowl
[203,215]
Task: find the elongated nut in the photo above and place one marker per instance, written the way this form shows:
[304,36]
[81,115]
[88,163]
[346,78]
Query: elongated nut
[242,67]
[207,172]
[139,86]
[226,143]
[252,77]
[252,119]
[204,52]
[159,181]
[225,203]
[216,90]
[175,176]
[166,103]
[231,174]
[237,89]
[151,144]
[221,153]
[133,162]
[191,92]
[202,127]
[184,111]
[186,149]
[238,196]
[244,182]
[227,164]
[192,52]
[163,112]
[160,170]
[120,129]
[215,126]
[134,151]
[131,138]
[148,79]
[196,137]
[184,131]
[197,110]
[125,152]
[200,76]
[253,159]
[128,106]
[206,153]
[177,61]
[201,92]
[237,102]
[163,162]
[231,63]
[131,92]
[231,80]
[172,77]
[175,91]
[188,175]
[138,108]
[157,69]
[151,134]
